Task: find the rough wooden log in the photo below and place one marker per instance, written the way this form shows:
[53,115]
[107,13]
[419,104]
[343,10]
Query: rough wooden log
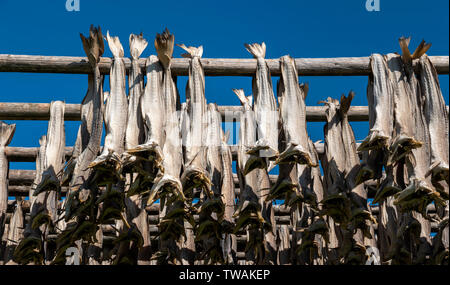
[212,66]
[28,154]
[41,111]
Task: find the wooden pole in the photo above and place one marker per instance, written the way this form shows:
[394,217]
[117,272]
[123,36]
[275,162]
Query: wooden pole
[28,154]
[41,111]
[212,66]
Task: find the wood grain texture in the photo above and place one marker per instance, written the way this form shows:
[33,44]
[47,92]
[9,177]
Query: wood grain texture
[212,66]
[41,111]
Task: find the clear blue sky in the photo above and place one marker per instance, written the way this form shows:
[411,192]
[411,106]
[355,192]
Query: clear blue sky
[300,28]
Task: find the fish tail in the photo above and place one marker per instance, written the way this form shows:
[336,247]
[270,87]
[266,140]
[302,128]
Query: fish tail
[94,45]
[346,102]
[6,133]
[191,51]
[114,45]
[137,45]
[257,50]
[241,95]
[164,43]
[421,49]
[406,54]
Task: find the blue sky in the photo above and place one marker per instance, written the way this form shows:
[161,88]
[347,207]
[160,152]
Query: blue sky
[299,28]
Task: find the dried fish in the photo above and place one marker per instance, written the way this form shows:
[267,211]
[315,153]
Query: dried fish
[194,174]
[380,97]
[152,111]
[291,97]
[134,131]
[172,149]
[381,106]
[15,232]
[228,197]
[436,116]
[266,114]
[115,117]
[6,134]
[31,248]
[214,144]
[53,159]
[404,141]
[253,210]
[91,127]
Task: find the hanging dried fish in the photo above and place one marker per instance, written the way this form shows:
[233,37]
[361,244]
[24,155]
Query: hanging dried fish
[291,97]
[6,134]
[194,174]
[375,146]
[381,106]
[229,244]
[15,232]
[404,141]
[92,123]
[31,248]
[152,111]
[172,149]
[53,159]
[108,163]
[134,131]
[436,115]
[168,187]
[266,114]
[251,200]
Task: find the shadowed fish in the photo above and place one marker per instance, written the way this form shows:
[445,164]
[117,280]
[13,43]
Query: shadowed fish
[54,158]
[6,134]
[436,116]
[92,117]
[15,232]
[404,141]
[381,105]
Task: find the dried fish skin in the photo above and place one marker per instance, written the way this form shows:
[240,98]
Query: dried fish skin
[253,209]
[247,137]
[335,156]
[94,48]
[53,159]
[436,116]
[152,111]
[291,98]
[6,135]
[380,106]
[229,244]
[134,134]
[108,163]
[404,141]
[15,232]
[264,106]
[172,149]
[214,145]
[194,174]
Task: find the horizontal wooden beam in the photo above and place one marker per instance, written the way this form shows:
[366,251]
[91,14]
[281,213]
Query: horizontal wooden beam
[212,66]
[29,154]
[41,111]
